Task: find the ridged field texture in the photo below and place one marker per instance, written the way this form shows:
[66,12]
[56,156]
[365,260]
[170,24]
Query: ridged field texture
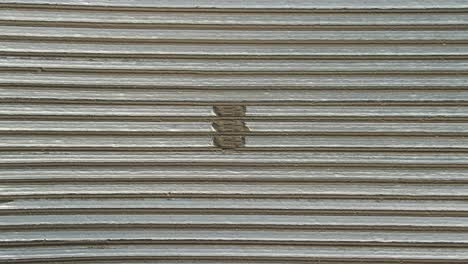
[253,132]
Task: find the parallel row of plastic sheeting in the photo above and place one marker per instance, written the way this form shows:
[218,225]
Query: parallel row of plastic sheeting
[353,140]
